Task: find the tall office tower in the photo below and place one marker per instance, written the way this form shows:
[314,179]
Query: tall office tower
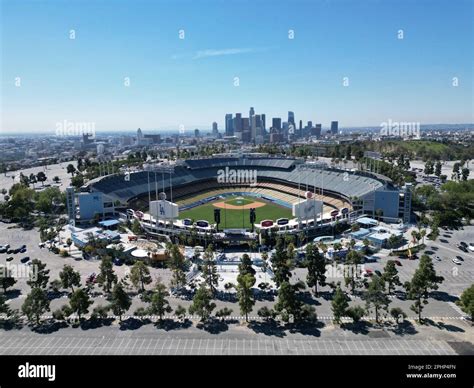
[215,130]
[251,113]
[256,127]
[237,123]
[301,125]
[317,130]
[246,129]
[196,132]
[310,124]
[229,125]
[264,118]
[291,118]
[276,123]
[334,125]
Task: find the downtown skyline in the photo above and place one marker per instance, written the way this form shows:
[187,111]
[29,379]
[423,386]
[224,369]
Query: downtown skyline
[191,82]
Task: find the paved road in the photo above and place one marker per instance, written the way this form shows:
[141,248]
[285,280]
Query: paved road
[192,343]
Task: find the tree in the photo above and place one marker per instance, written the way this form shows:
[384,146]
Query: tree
[466,302]
[366,243]
[4,307]
[397,313]
[71,169]
[224,312]
[375,296]
[69,278]
[159,305]
[456,175]
[177,266]
[80,302]
[288,305]
[266,313]
[202,305]
[41,177]
[356,313]
[77,181]
[245,282]
[120,300]
[35,304]
[390,275]
[107,276]
[352,275]
[245,265]
[281,264]
[69,243]
[209,270]
[423,281]
[40,277]
[339,304]
[437,171]
[429,168]
[465,174]
[140,275]
[180,312]
[136,227]
[6,278]
[316,265]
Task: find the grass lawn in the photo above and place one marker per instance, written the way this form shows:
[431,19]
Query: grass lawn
[234,219]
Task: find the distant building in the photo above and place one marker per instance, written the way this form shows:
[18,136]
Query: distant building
[334,127]
[100,149]
[215,130]
[154,139]
[229,125]
[291,118]
[196,132]
[276,123]
[237,123]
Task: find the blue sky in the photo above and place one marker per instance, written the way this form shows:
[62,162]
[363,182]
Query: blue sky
[190,81]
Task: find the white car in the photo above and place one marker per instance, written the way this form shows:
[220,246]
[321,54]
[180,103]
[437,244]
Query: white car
[471,247]
[456,261]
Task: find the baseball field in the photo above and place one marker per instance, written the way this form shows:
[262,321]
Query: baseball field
[235,211]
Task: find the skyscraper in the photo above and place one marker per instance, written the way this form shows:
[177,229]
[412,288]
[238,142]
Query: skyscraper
[229,125]
[316,131]
[334,125]
[264,128]
[237,123]
[276,123]
[291,118]
[251,113]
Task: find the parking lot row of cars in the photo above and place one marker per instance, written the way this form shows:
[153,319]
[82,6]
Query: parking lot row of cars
[8,250]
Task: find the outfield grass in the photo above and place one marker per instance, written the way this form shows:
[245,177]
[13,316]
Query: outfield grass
[233,219]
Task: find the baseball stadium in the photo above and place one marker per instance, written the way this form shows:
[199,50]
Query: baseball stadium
[243,194]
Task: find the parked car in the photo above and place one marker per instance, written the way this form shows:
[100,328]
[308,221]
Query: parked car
[10,258]
[471,247]
[397,262]
[463,248]
[456,261]
[459,258]
[25,259]
[378,272]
